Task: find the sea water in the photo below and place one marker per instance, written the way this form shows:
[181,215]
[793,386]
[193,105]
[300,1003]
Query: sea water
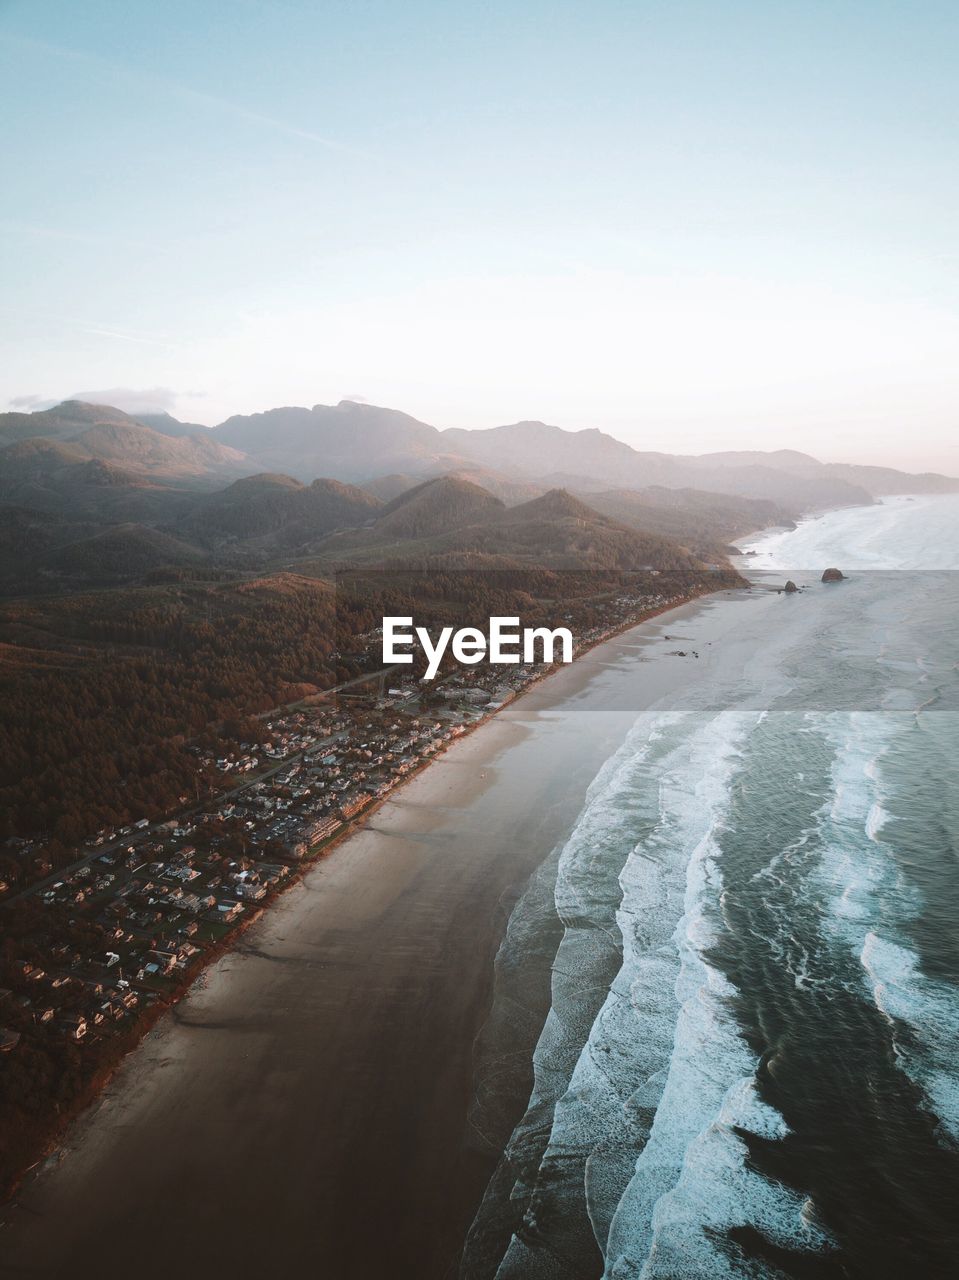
[750,1061]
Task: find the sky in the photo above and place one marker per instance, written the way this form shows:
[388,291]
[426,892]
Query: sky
[697,226]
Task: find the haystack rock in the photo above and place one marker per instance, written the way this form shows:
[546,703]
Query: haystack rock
[833,575]
[790,587]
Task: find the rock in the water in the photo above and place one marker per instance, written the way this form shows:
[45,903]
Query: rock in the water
[833,575]
[790,587]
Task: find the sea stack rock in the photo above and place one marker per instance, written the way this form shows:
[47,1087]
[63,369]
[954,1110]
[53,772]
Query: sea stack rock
[790,587]
[832,575]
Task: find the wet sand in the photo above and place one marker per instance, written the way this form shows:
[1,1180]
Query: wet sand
[304,1110]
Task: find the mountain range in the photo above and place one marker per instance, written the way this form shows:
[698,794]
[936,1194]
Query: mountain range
[89,494]
[360,443]
[343,440]
[451,522]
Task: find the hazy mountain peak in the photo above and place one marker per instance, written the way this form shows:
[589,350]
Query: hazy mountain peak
[338,488]
[279,511]
[436,506]
[555,504]
[264,480]
[783,459]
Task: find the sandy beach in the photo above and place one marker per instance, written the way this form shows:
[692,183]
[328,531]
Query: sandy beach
[304,1110]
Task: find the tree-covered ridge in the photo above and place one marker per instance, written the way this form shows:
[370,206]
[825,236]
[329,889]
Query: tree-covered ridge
[96,732]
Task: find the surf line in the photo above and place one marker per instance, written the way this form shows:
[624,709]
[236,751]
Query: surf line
[502,643]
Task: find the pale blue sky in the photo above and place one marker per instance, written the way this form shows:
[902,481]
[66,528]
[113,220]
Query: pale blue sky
[696,225]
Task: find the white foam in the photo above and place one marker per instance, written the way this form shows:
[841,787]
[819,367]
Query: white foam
[617,802]
[692,1175]
[876,819]
[930,1011]
[904,533]
[663,1077]
[855,870]
[870,899]
[659,1006]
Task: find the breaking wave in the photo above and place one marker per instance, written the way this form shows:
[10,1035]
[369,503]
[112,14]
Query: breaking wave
[630,1158]
[873,906]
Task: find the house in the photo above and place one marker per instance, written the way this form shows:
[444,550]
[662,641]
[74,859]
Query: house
[164,960]
[75,1025]
[353,807]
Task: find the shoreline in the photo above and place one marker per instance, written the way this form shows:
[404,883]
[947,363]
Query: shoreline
[449,810]
[52,1138]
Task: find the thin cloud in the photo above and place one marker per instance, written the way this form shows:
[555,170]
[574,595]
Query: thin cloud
[125,337]
[193,95]
[133,399]
[243,113]
[96,327]
[29,402]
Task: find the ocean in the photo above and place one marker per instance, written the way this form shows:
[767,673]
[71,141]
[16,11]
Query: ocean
[749,1066]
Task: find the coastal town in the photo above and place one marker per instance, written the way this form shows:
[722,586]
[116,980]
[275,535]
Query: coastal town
[94,950]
